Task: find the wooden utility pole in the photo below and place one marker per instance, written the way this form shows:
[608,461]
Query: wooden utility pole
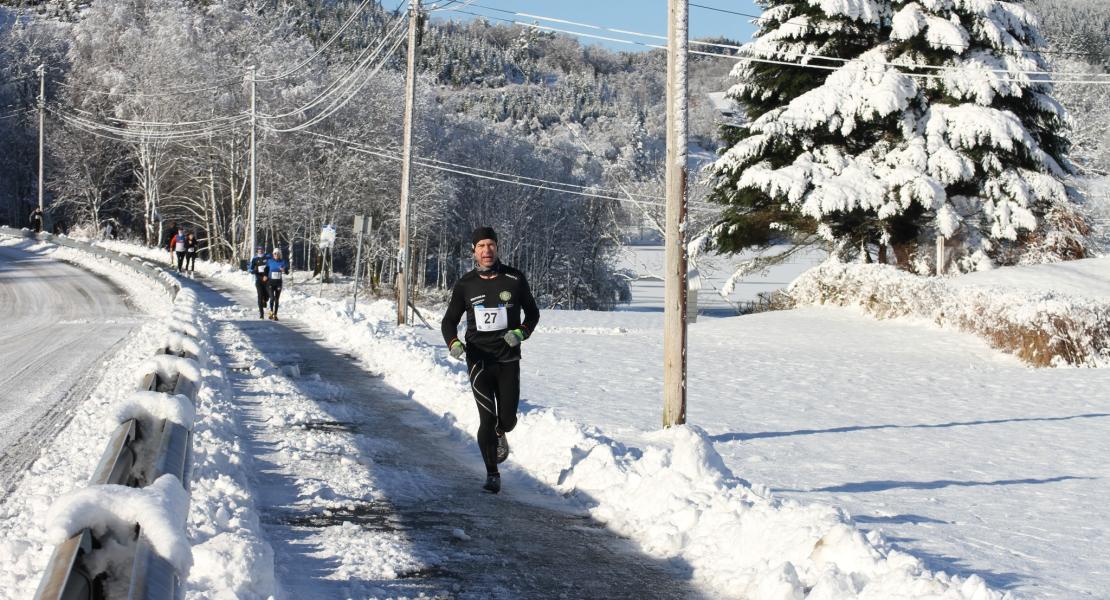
[406,168]
[42,136]
[674,289]
[254,123]
[942,254]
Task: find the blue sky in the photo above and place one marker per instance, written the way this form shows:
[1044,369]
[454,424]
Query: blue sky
[645,16]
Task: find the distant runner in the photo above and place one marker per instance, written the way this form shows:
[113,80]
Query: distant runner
[492,296]
[277,268]
[36,220]
[177,245]
[190,252]
[260,269]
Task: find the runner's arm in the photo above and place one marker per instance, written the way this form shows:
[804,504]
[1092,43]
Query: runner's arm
[531,311]
[450,324]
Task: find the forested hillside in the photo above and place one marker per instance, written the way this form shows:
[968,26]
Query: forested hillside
[573,119]
[147,124]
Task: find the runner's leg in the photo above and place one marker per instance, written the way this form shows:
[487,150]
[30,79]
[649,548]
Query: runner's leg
[275,297]
[508,394]
[263,296]
[483,383]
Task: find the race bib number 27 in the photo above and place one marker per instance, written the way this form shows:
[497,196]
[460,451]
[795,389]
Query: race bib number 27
[491,319]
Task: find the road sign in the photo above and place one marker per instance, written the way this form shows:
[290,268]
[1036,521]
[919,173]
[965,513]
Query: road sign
[327,236]
[362,224]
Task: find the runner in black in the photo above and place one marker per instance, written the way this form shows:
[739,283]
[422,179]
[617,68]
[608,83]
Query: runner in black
[492,296]
[260,269]
[190,252]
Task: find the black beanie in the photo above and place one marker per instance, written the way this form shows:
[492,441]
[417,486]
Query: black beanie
[483,233]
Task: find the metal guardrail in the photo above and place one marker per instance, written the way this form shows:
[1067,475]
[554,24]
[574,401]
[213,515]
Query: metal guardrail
[152,577]
[145,268]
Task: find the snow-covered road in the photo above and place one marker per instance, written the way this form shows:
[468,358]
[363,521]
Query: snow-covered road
[361,494]
[59,322]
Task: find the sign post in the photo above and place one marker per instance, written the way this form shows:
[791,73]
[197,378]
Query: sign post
[327,240]
[362,226]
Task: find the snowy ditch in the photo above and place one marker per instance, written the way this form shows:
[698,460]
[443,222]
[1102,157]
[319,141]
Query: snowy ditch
[672,495]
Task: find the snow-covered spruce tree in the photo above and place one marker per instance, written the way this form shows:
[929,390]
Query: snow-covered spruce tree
[931,126]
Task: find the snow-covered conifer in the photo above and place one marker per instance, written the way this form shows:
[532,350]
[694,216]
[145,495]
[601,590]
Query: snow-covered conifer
[928,119]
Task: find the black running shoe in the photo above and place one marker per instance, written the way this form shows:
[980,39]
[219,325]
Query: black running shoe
[493,484]
[502,448]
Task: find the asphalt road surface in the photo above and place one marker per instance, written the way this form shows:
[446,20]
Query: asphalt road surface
[57,325]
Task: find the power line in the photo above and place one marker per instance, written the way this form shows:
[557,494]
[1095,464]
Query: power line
[170,92]
[131,134]
[365,57]
[478,173]
[737,58]
[321,49]
[762,18]
[339,103]
[730,47]
[17,113]
[158,124]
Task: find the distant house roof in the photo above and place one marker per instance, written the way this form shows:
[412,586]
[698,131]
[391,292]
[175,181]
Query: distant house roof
[722,104]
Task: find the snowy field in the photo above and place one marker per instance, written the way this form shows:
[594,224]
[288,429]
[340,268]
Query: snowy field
[717,296]
[934,445]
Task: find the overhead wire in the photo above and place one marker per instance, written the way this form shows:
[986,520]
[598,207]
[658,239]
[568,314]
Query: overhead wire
[16,113]
[335,37]
[486,174]
[214,120]
[740,58]
[365,57]
[338,103]
[164,94]
[138,134]
[762,18]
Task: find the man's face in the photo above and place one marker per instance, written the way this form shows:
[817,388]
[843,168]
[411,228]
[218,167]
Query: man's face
[485,253]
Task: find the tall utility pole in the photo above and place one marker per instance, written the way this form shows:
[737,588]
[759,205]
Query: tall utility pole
[254,122]
[674,289]
[42,131]
[406,168]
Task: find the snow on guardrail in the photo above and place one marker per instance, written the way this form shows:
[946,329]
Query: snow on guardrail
[126,531]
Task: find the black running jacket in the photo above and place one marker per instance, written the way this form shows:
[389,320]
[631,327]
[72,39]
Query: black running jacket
[492,307]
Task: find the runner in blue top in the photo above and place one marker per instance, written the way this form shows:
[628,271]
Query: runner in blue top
[278,268]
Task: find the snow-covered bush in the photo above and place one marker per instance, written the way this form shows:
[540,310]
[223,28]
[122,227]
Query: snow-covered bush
[1042,328]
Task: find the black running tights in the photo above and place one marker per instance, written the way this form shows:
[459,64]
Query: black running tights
[275,295]
[263,294]
[496,387]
